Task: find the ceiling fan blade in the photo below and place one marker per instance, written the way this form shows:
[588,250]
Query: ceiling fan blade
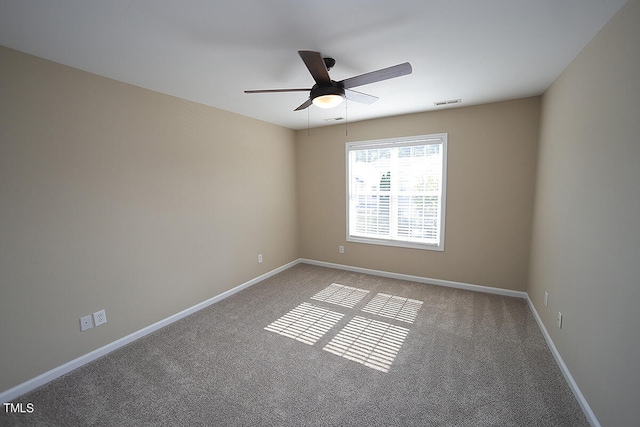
[315,64]
[276,90]
[306,104]
[364,98]
[376,76]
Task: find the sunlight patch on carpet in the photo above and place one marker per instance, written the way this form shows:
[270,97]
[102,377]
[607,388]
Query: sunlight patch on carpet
[369,342]
[345,296]
[306,323]
[394,307]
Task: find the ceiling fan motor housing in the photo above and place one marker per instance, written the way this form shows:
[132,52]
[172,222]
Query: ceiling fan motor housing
[333,89]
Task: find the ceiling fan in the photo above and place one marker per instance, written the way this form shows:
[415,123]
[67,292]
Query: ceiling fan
[327,93]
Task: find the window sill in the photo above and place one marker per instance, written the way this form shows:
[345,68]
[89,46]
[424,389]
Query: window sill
[396,243]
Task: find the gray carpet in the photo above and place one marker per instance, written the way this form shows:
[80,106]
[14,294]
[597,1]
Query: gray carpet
[468,359]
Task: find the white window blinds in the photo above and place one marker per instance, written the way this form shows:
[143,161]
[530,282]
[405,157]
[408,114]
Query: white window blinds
[396,191]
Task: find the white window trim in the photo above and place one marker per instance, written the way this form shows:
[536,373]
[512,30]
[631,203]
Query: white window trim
[399,142]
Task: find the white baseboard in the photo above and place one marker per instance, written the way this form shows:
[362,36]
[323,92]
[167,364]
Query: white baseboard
[507,292]
[420,279]
[20,389]
[12,393]
[591,417]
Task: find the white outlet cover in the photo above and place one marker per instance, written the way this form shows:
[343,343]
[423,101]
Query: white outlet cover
[86,323]
[99,317]
[559,320]
[546,299]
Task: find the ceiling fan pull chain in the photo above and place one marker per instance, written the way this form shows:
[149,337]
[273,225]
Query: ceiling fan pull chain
[346,118]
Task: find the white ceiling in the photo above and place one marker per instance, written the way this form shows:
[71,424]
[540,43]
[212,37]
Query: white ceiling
[210,51]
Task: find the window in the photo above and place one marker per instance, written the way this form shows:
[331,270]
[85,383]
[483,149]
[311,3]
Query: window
[396,191]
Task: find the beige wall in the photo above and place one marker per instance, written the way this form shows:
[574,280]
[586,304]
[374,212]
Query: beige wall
[491,172]
[120,198]
[586,243]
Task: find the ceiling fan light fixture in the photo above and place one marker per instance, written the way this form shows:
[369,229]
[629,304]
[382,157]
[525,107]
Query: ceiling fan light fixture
[327,96]
[328,101]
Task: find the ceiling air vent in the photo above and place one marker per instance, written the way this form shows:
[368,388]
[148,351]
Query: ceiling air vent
[449,102]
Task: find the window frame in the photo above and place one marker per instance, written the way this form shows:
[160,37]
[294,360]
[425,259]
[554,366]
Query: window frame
[439,138]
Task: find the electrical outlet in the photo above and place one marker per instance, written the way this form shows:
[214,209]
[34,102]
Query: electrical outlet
[99,317]
[86,323]
[546,299]
[559,320]
[341,249]
[259,258]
